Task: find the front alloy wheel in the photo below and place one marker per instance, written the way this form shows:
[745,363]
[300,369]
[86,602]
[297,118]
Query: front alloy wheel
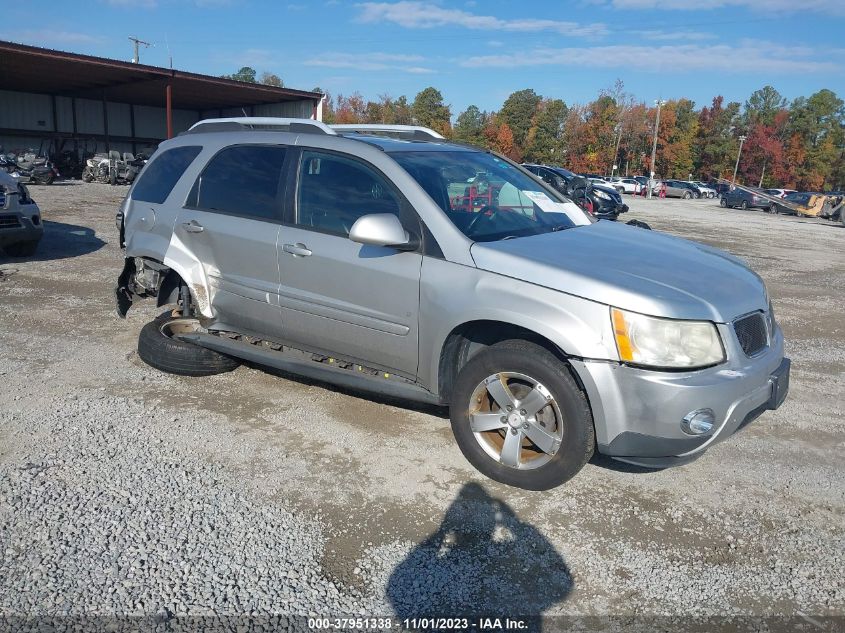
[515,420]
[520,418]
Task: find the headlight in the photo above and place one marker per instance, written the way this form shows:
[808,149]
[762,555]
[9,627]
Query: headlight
[665,343]
[602,194]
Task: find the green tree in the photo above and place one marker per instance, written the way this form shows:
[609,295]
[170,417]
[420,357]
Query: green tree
[430,111]
[402,112]
[546,142]
[271,79]
[469,126]
[763,105]
[245,74]
[518,111]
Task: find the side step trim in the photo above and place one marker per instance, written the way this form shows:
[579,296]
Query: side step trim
[310,369]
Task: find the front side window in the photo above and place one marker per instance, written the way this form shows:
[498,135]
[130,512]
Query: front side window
[488,198]
[241,180]
[334,191]
[161,175]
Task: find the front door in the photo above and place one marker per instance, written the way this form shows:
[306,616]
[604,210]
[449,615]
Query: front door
[230,224]
[336,295]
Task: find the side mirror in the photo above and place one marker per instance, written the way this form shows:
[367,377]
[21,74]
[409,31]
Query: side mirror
[381,229]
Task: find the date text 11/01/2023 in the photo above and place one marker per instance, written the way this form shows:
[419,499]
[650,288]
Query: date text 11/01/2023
[419,624]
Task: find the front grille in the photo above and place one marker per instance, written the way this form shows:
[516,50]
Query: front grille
[9,222]
[752,334]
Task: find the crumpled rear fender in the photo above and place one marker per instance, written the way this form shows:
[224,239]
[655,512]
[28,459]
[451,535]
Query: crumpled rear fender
[180,258]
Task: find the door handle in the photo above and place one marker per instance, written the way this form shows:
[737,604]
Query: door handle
[193,227]
[297,250]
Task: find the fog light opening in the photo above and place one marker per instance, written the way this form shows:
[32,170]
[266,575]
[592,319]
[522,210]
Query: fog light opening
[698,422]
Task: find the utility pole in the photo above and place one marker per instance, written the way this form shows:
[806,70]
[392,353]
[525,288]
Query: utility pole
[659,103]
[616,151]
[738,154]
[137,58]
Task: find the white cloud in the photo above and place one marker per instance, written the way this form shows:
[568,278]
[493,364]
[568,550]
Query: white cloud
[748,57]
[777,6]
[371,61]
[666,36]
[51,37]
[424,15]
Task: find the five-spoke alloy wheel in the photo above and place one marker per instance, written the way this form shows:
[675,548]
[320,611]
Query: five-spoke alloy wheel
[519,416]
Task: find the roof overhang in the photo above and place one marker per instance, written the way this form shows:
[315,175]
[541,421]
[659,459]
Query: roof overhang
[45,71]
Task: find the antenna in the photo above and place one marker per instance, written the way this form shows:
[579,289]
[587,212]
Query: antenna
[137,58]
[169,54]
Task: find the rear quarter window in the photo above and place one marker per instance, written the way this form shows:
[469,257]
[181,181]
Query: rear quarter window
[161,175]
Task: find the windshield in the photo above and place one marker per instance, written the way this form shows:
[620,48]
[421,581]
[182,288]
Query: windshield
[486,197]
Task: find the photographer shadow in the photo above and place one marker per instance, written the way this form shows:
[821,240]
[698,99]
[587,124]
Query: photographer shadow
[482,561]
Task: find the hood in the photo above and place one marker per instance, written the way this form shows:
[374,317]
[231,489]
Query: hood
[631,268]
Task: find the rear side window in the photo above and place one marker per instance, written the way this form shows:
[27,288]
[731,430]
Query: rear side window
[241,180]
[162,174]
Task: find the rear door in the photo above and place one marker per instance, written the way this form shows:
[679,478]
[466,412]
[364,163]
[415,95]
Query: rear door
[230,223]
[339,296]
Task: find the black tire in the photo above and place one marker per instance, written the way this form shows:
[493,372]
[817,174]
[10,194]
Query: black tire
[687,195]
[722,202]
[576,423]
[743,205]
[173,356]
[22,249]
[87,176]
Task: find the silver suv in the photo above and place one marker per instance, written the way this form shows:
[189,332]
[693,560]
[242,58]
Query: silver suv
[20,219]
[387,259]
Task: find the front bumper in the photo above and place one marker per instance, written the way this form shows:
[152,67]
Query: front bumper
[637,412]
[17,226]
[609,208]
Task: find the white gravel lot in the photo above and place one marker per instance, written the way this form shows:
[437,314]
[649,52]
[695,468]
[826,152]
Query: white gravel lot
[127,491]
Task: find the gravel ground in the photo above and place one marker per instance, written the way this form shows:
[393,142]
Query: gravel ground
[127,491]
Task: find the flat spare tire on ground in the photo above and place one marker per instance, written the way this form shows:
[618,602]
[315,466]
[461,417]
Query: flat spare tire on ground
[158,348]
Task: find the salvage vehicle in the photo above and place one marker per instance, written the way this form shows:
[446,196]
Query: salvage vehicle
[602,202]
[20,218]
[809,204]
[337,253]
[29,167]
[112,168]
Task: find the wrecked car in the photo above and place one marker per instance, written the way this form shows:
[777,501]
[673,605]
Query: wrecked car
[20,218]
[387,259]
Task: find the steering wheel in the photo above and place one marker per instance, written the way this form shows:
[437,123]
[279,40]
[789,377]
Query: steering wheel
[482,213]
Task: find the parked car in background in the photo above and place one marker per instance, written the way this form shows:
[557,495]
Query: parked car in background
[628,185]
[20,218]
[603,182]
[598,200]
[706,190]
[744,199]
[721,187]
[681,189]
[779,193]
[810,204]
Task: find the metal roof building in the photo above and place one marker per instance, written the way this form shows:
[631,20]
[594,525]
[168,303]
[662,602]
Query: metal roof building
[49,96]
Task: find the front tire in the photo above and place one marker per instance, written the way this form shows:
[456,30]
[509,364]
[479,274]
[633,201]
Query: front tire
[687,195]
[723,203]
[158,348]
[744,205]
[547,435]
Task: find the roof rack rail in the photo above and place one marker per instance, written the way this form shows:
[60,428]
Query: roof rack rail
[279,124]
[410,132]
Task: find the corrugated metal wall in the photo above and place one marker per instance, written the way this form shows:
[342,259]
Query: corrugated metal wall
[34,112]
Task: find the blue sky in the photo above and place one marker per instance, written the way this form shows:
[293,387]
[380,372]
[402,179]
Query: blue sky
[472,51]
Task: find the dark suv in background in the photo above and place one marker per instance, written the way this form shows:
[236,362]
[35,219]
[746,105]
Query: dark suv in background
[602,202]
[744,200]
